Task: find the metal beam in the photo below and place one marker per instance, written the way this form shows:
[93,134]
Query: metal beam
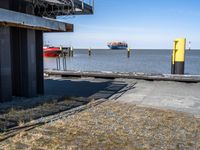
[84,8]
[16,19]
[53,8]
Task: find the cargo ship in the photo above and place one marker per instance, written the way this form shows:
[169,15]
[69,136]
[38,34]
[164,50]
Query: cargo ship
[118,45]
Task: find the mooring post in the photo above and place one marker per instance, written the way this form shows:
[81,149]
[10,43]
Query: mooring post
[89,52]
[178,56]
[128,52]
[64,54]
[64,61]
[69,52]
[72,51]
[58,62]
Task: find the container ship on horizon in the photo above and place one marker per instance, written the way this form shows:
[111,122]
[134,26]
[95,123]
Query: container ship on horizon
[118,45]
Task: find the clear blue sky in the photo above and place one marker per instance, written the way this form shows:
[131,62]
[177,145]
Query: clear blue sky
[142,23]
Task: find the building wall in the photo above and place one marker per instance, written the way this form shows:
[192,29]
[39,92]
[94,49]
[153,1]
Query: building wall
[21,60]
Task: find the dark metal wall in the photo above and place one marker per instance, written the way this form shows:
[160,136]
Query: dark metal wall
[21,60]
[5,64]
[5,59]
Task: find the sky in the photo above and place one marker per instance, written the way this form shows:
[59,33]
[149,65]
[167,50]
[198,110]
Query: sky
[143,24]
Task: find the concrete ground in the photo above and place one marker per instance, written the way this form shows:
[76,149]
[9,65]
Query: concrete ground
[184,97]
[178,96]
[128,118]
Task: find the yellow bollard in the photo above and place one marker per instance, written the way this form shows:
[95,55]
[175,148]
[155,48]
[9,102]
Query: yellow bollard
[178,56]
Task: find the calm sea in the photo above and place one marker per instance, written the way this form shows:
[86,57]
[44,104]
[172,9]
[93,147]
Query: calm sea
[147,61]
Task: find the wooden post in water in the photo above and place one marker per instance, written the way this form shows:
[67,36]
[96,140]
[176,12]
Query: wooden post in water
[58,62]
[69,52]
[72,51]
[89,52]
[128,52]
[64,61]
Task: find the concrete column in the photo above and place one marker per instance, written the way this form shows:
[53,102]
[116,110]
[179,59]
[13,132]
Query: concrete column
[5,65]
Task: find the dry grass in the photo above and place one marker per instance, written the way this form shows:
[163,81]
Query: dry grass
[18,117]
[116,126]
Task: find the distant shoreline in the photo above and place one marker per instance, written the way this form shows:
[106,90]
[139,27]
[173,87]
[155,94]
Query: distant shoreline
[134,49]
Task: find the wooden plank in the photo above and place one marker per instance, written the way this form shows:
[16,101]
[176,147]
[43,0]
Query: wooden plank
[16,19]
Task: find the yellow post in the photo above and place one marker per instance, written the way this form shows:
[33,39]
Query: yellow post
[178,56]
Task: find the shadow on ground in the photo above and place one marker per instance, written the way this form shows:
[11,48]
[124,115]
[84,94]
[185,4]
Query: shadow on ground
[57,99]
[81,88]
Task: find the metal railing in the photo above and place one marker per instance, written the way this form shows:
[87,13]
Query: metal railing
[53,8]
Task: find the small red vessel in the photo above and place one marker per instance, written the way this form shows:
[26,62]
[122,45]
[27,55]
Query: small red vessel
[51,51]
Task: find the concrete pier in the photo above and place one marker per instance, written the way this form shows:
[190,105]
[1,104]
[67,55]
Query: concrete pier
[125,75]
[179,96]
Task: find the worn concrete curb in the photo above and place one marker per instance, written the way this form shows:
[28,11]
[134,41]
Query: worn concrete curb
[126,75]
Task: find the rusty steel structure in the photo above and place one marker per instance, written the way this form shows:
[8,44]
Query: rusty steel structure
[22,23]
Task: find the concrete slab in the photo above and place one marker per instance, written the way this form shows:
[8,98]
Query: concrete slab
[184,97]
[178,96]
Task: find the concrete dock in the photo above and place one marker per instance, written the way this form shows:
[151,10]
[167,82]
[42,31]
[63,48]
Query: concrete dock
[179,96]
[125,75]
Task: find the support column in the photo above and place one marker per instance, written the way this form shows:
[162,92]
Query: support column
[39,62]
[23,57]
[24,62]
[30,58]
[5,59]
[5,65]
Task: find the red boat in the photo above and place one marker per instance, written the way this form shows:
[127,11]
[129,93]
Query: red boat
[51,51]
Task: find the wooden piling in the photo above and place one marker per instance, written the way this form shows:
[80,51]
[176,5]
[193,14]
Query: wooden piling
[128,52]
[89,52]
[72,52]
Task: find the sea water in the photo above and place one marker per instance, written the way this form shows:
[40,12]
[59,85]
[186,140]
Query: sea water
[145,61]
